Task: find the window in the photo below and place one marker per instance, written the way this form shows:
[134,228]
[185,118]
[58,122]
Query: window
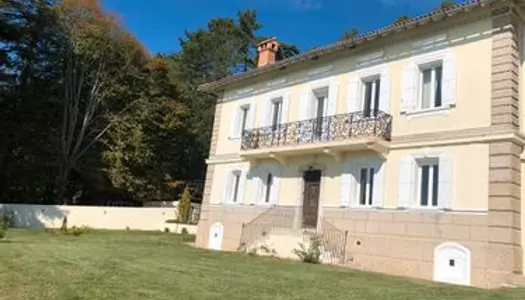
[236,184]
[366,186]
[428,183]
[268,192]
[277,112]
[431,86]
[321,100]
[244,118]
[371,97]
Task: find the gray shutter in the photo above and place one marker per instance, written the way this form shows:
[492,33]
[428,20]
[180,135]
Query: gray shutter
[352,102]
[379,186]
[407,185]
[385,93]
[409,91]
[446,176]
[449,81]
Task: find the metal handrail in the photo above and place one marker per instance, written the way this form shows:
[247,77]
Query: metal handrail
[334,242]
[331,128]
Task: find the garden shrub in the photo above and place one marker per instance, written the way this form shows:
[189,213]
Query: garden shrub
[5,222]
[184,208]
[310,254]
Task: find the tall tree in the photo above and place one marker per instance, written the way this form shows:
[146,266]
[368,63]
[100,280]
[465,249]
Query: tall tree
[350,34]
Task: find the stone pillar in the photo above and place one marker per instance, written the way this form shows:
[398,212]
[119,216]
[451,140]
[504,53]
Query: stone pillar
[204,225]
[504,253]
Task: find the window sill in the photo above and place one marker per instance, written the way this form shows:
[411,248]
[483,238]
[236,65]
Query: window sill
[444,110]
[234,139]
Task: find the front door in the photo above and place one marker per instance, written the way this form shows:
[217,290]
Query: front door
[312,187]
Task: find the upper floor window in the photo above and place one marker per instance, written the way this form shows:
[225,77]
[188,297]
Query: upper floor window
[277,112]
[431,86]
[242,120]
[371,95]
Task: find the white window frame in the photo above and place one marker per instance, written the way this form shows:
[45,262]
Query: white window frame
[244,111]
[364,81]
[432,66]
[420,163]
[422,61]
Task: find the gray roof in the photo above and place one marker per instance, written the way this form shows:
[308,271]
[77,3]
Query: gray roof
[419,21]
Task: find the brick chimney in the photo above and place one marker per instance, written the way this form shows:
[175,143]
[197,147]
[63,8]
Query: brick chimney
[267,52]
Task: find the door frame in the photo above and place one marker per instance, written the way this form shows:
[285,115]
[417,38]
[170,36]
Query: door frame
[300,174]
[213,226]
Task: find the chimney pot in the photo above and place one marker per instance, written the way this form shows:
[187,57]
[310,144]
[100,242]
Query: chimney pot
[267,52]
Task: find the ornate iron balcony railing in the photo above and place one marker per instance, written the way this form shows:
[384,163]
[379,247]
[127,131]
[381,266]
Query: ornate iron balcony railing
[331,128]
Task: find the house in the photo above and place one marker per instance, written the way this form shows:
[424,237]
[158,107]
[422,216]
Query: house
[401,149]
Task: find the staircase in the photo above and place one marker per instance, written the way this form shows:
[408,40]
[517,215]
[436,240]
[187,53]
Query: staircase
[273,233]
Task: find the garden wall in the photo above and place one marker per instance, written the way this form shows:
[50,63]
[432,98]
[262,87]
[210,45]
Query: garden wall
[97,217]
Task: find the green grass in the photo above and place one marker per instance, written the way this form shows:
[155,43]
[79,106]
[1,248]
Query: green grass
[131,265]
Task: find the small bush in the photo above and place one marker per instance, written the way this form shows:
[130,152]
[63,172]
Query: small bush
[63,227]
[5,222]
[77,231]
[312,254]
[184,208]
[166,230]
[184,231]
[3,233]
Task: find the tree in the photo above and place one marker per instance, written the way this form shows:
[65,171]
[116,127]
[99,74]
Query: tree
[445,4]
[350,34]
[98,58]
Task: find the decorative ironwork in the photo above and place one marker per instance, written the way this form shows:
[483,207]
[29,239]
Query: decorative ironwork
[334,242]
[331,128]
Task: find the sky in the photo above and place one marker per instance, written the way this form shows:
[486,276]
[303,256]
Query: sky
[306,23]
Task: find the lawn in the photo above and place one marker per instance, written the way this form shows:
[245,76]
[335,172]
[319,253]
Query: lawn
[130,265]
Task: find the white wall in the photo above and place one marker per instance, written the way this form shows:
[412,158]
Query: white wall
[97,217]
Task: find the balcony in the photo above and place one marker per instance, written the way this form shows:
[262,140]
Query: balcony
[333,135]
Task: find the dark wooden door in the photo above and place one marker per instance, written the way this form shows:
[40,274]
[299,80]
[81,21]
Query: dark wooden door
[312,187]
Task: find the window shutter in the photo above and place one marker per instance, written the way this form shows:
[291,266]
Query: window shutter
[235,126]
[266,117]
[354,179]
[346,180]
[286,106]
[251,116]
[407,184]
[352,102]
[385,93]
[304,105]
[242,186]
[333,95]
[449,81]
[445,192]
[410,81]
[227,187]
[256,183]
[274,199]
[379,186]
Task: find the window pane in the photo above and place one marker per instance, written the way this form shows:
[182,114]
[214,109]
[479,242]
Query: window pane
[427,89]
[362,187]
[377,96]
[244,113]
[424,185]
[435,185]
[237,179]
[320,106]
[371,185]
[276,119]
[269,183]
[368,99]
[438,85]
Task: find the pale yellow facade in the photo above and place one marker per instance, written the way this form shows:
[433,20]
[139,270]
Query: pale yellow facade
[475,133]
